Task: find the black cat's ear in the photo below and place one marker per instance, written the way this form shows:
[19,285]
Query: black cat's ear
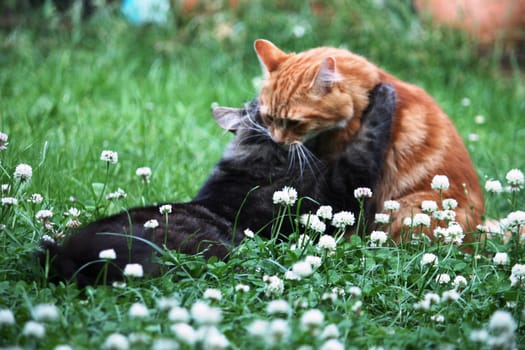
[228,118]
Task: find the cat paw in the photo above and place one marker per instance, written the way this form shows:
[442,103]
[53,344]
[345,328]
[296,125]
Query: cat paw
[383,94]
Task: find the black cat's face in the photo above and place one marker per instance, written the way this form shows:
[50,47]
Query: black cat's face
[253,135]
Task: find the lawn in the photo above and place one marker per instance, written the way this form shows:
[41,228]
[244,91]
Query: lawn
[71,88]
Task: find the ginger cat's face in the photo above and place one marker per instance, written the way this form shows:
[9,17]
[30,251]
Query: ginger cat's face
[301,95]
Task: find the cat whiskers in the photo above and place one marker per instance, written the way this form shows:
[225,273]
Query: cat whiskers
[304,157]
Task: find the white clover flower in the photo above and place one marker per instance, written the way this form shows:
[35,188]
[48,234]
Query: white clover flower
[165,209]
[213,339]
[450,295]
[212,294]
[473,137]
[326,243]
[116,341]
[429,206]
[303,240]
[438,318]
[9,201]
[3,141]
[391,205]
[133,270]
[108,254]
[440,183]
[34,329]
[249,233]
[119,284]
[516,179]
[279,306]
[444,215]
[501,259]
[516,219]
[440,232]
[274,285]
[109,157]
[378,238]
[302,269]
[332,344]
[429,259]
[138,310]
[178,314]
[454,234]
[324,212]
[74,212]
[493,186]
[419,219]
[330,332]
[443,278]
[286,196]
[502,322]
[279,330]
[465,101]
[151,224]
[45,312]
[185,333]
[460,282]
[63,347]
[517,275]
[315,261]
[243,288]
[291,276]
[6,317]
[450,203]
[329,296]
[312,222]
[312,319]
[479,119]
[44,214]
[382,218]
[428,300]
[144,173]
[23,172]
[479,336]
[35,198]
[116,195]
[165,304]
[342,219]
[204,314]
[258,328]
[164,344]
[357,306]
[355,291]
[362,192]
[5,187]
[298,31]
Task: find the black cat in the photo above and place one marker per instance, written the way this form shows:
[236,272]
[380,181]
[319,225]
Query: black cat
[237,195]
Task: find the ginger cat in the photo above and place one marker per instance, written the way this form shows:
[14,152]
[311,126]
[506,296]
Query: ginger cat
[303,95]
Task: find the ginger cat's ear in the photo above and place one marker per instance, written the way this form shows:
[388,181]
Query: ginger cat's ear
[269,55]
[326,77]
[228,118]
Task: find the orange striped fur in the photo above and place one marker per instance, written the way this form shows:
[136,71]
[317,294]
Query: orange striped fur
[323,88]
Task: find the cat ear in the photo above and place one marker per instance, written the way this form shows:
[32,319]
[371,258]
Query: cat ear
[269,55]
[326,77]
[228,118]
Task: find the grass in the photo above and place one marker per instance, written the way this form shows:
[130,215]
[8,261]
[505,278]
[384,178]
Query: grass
[70,89]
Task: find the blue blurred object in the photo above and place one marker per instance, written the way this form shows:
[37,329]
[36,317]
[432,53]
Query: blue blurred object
[145,11]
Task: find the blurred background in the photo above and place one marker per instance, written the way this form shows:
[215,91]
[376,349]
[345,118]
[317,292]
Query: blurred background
[138,77]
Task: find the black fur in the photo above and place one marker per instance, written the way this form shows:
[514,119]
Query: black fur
[237,195]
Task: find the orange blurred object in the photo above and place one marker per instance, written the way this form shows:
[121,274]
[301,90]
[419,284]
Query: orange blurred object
[489,21]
